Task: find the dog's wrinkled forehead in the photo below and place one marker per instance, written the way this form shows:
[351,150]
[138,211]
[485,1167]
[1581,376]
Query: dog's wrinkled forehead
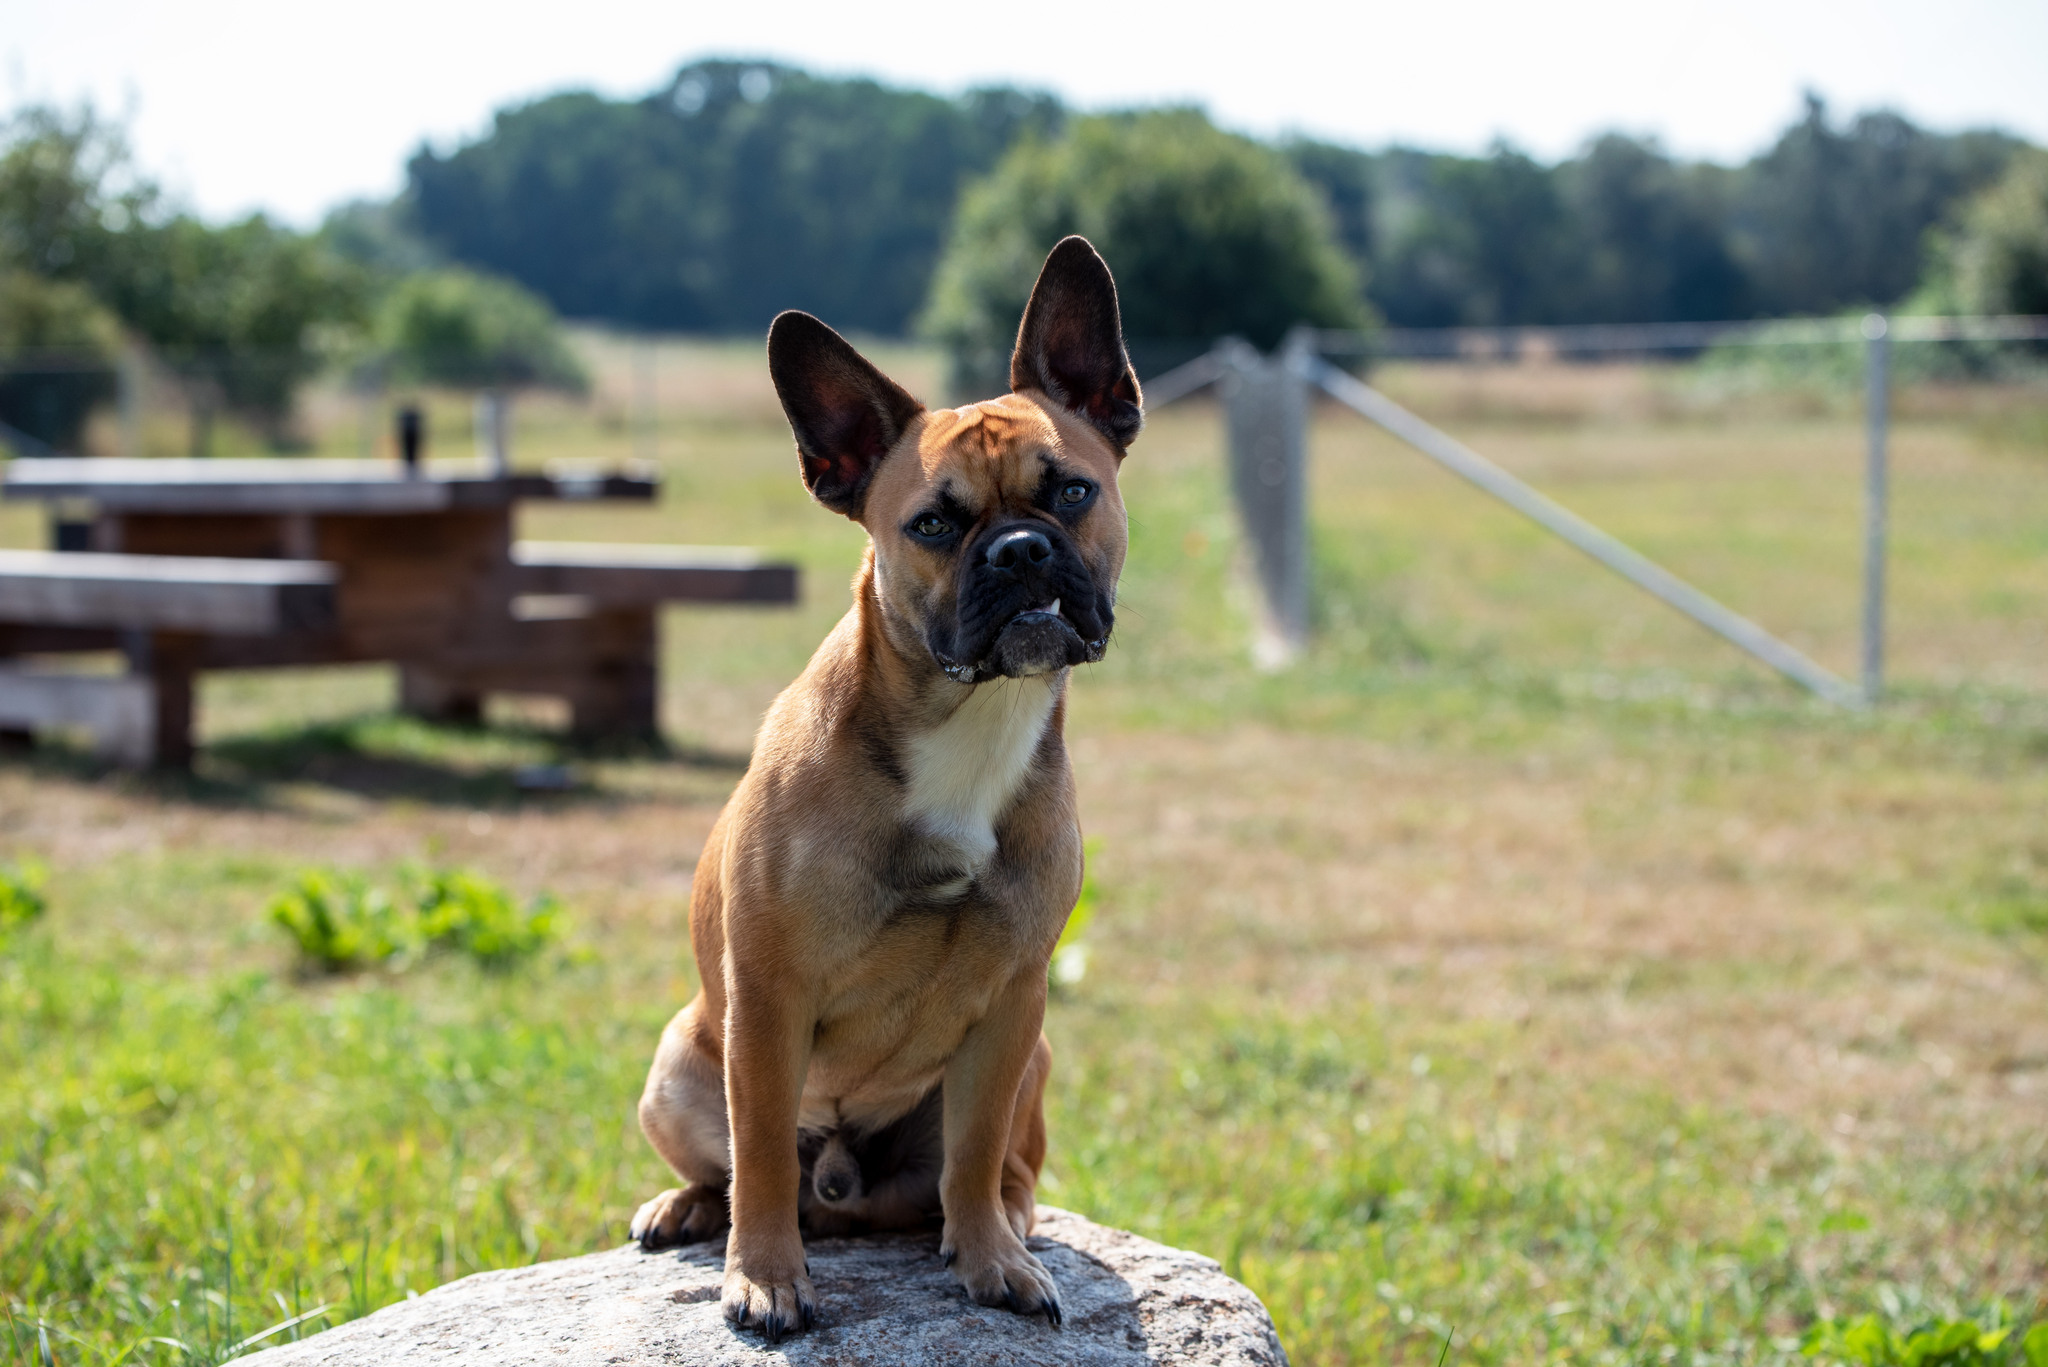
[993,446]
[997,451]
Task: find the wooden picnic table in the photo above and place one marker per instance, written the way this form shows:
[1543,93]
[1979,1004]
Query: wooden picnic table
[423,568]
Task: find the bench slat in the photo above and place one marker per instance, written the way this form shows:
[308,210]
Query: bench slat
[646,576]
[165,592]
[269,485]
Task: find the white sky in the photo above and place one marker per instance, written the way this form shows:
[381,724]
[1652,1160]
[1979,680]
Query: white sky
[292,107]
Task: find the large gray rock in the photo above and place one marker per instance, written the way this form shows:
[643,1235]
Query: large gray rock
[884,1300]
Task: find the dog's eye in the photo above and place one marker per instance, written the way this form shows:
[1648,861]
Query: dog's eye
[1076,492]
[931,527]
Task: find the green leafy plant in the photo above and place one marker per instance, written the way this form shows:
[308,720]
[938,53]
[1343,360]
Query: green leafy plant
[1871,1342]
[467,912]
[342,923]
[21,897]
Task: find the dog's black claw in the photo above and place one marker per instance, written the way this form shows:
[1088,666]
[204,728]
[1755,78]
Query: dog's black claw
[772,1326]
[949,1255]
[807,1313]
[1052,1311]
[1010,1300]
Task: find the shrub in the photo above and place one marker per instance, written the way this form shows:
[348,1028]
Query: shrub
[1209,234]
[456,327]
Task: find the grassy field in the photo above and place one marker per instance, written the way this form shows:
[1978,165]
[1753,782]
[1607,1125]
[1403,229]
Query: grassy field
[1521,967]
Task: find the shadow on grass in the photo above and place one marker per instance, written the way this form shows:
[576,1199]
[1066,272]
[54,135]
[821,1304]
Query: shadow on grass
[386,756]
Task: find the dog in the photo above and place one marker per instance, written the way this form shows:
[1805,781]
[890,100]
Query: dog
[877,904]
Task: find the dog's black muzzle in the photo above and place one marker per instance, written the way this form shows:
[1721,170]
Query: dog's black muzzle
[1027,605]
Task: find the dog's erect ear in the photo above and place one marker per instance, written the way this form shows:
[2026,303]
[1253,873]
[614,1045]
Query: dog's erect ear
[1071,343]
[846,414]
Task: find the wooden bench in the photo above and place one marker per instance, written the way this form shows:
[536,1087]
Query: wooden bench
[422,566]
[584,627]
[646,576]
[159,611]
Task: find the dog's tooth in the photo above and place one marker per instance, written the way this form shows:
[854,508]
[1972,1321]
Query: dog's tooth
[1055,608]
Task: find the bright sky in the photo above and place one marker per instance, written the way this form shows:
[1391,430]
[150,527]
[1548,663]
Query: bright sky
[292,107]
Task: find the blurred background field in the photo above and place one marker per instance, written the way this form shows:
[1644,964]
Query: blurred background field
[1521,976]
[1523,965]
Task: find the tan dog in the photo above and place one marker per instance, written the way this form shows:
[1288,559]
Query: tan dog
[876,906]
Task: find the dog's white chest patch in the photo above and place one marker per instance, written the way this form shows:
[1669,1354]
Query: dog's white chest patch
[964,772]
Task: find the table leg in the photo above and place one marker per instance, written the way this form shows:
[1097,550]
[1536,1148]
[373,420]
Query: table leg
[431,695]
[169,659]
[619,693]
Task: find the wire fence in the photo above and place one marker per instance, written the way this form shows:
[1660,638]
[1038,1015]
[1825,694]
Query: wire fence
[1986,530]
[1891,528]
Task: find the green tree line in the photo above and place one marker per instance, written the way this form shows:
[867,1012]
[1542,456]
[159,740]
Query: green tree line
[738,189]
[94,257]
[741,188]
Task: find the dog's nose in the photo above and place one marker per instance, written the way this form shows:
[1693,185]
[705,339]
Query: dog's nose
[1019,549]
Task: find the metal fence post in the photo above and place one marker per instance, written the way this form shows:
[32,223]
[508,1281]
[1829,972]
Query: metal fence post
[1876,497]
[130,397]
[494,430]
[1266,411]
[647,401]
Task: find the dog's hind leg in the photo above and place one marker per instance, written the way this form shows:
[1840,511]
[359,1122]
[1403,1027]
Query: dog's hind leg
[682,1113]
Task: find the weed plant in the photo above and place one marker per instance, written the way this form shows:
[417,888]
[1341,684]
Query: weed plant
[1873,1341]
[341,922]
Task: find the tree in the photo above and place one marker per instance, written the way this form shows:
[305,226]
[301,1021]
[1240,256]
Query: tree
[1831,219]
[237,311]
[1208,233]
[739,189]
[1504,231]
[68,195]
[1648,237]
[1994,259]
[455,327]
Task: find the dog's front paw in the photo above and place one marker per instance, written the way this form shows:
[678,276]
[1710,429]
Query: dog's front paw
[774,1305]
[680,1215]
[997,1269]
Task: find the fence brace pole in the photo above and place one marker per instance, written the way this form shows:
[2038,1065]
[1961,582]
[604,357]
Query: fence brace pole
[1265,401]
[1624,560]
[1876,498]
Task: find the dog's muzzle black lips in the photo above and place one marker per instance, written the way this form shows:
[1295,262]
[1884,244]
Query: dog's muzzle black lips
[1029,605]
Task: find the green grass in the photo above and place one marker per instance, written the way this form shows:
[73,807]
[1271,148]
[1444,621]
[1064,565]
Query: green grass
[1521,969]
